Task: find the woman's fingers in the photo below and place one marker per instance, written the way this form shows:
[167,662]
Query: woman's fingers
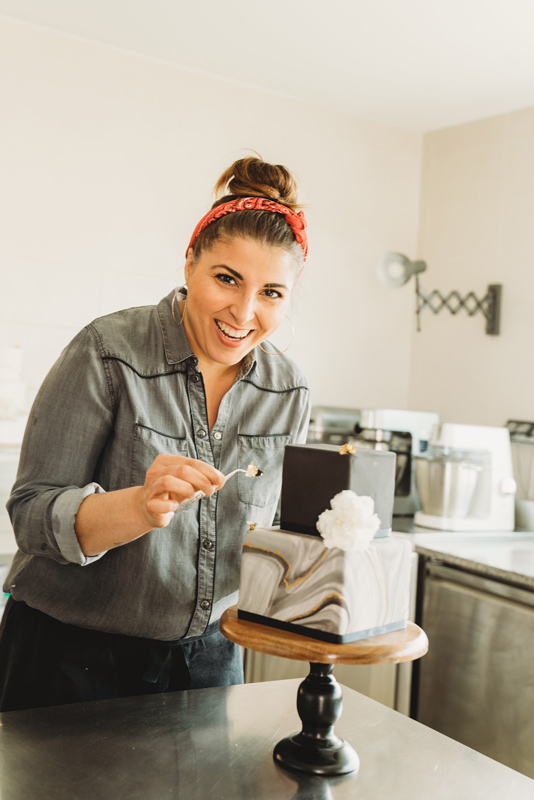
[175,464]
[172,479]
[181,483]
[161,507]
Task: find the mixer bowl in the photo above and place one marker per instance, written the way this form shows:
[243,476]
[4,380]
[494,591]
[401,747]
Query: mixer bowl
[446,488]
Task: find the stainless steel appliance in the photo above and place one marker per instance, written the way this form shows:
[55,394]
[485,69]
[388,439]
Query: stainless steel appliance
[465,480]
[476,684]
[332,424]
[406,433]
[448,480]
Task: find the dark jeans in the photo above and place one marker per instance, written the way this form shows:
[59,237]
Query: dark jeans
[44,662]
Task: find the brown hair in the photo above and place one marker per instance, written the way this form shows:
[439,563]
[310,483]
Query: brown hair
[252,177]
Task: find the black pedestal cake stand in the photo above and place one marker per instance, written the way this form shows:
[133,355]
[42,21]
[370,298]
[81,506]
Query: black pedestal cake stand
[316,749]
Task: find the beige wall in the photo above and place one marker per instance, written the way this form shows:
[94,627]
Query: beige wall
[477,228]
[107,161]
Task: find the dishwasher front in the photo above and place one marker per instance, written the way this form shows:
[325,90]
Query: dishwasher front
[476,683]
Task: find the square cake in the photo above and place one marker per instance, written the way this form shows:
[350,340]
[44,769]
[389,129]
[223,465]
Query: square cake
[345,582]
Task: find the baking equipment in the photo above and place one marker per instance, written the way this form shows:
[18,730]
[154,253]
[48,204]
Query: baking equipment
[405,433]
[332,424]
[465,481]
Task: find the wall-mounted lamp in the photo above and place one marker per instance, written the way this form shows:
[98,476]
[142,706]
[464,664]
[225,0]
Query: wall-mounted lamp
[395,269]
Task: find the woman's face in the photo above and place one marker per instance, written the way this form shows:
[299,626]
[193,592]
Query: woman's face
[238,294]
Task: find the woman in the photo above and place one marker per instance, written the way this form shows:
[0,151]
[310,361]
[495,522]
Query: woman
[115,592]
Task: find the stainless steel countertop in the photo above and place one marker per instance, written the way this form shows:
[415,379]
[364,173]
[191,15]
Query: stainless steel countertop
[218,743]
[505,556]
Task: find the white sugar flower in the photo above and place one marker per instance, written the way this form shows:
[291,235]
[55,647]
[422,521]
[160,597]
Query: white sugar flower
[351,523]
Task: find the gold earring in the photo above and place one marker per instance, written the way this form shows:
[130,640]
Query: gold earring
[289,345]
[185,306]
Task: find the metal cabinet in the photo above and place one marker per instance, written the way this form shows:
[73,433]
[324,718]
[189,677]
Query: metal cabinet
[476,684]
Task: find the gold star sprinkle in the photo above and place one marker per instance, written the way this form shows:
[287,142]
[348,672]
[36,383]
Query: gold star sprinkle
[346,448]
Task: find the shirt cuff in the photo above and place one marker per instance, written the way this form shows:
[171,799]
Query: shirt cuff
[63,515]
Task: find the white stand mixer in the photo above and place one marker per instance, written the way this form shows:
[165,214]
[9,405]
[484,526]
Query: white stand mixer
[466,482]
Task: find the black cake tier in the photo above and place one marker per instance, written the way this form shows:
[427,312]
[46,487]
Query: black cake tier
[315,473]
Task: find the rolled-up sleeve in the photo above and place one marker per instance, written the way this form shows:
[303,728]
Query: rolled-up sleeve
[64,513]
[68,427]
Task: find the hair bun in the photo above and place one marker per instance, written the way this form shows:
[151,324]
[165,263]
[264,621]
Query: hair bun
[252,177]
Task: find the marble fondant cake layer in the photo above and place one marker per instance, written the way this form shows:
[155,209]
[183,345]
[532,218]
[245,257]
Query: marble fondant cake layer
[290,579]
[315,473]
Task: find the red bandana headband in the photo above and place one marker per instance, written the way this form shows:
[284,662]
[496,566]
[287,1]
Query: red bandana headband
[297,222]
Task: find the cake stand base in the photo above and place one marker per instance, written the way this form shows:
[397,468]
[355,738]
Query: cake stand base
[316,749]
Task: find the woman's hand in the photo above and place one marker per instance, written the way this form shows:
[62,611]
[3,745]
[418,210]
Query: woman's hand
[115,518]
[170,480]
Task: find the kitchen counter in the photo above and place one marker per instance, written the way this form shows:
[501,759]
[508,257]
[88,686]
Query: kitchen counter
[504,556]
[218,743]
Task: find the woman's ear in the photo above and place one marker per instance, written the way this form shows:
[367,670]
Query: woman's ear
[188,264]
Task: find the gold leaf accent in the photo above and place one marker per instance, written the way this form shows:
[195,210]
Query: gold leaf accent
[251,525]
[347,448]
[253,471]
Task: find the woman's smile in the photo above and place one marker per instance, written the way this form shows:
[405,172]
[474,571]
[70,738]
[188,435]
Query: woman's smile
[233,335]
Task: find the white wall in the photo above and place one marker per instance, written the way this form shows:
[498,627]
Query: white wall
[477,228]
[107,163]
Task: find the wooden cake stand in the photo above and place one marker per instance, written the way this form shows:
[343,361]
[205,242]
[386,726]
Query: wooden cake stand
[316,748]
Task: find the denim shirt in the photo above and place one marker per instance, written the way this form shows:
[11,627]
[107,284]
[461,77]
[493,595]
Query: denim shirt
[126,389]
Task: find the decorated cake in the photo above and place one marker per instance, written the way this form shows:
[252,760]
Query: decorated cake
[332,570]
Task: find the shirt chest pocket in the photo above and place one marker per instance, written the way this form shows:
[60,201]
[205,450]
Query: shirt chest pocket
[266,453]
[146,445]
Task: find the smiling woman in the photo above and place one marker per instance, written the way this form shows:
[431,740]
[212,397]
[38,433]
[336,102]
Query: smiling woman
[114,591]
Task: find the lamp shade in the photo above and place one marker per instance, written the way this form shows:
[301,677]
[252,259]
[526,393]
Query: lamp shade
[395,269]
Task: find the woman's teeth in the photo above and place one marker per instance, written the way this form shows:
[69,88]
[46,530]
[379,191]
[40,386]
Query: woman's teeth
[230,332]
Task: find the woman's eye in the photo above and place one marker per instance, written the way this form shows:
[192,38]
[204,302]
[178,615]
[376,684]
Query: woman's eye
[273,294]
[223,277]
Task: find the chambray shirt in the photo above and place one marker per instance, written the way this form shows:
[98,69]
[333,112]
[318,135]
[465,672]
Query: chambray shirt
[126,389]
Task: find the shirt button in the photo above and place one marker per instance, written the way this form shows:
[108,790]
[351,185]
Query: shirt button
[201,432]
[195,378]
[205,605]
[207,544]
[217,435]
